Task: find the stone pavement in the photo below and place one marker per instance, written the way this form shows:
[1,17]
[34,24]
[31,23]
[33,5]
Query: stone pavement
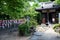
[44,33]
[13,36]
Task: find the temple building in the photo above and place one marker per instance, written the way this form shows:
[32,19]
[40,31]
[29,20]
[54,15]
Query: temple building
[49,11]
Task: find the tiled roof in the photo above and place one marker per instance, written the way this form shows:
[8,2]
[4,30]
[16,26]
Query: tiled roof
[47,6]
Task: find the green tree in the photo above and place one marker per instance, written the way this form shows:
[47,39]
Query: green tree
[40,0]
[30,11]
[16,9]
[57,2]
[13,8]
[43,0]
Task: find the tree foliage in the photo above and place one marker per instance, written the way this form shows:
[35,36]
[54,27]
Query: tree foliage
[43,0]
[31,10]
[57,2]
[13,8]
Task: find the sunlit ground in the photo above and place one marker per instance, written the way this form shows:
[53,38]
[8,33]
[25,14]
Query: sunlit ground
[49,33]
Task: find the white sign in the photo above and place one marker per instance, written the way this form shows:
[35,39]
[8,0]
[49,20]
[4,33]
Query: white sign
[46,4]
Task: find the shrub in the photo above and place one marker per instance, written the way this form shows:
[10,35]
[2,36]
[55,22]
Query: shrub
[33,23]
[24,29]
[57,28]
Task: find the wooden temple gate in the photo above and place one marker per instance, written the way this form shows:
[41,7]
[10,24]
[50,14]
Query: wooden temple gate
[50,12]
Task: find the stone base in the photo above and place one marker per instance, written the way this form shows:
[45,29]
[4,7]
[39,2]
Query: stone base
[58,36]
